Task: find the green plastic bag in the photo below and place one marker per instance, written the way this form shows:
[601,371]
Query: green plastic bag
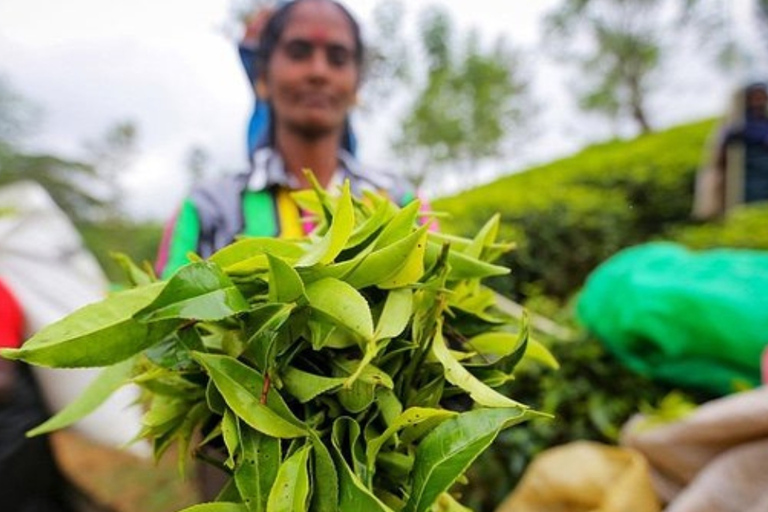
[691,319]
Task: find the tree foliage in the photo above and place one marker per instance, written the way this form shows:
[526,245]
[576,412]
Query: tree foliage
[617,44]
[715,22]
[471,99]
[85,189]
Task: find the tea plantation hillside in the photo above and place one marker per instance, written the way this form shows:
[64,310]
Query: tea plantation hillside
[569,215]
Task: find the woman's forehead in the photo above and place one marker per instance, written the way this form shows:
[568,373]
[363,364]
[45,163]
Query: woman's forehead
[319,22]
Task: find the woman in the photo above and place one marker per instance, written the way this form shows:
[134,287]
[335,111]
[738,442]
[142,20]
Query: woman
[258,124]
[309,65]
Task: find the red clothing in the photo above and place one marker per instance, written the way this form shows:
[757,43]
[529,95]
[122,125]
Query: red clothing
[10,319]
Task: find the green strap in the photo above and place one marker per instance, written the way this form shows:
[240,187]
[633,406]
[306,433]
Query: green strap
[186,234]
[259,213]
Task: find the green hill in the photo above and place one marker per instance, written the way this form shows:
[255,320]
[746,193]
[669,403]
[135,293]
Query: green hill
[569,215]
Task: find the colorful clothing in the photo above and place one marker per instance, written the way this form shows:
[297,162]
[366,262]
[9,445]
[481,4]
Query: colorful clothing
[11,321]
[255,203]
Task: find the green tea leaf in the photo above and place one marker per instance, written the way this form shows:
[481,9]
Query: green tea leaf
[306,386]
[382,214]
[242,388]
[485,237]
[285,285]
[358,397]
[197,414]
[387,262]
[290,493]
[108,381]
[343,304]
[401,225]
[353,493]
[136,276]
[325,495]
[538,352]
[257,470]
[494,346]
[448,450]
[335,239]
[447,503]
[389,405]
[267,320]
[230,432]
[198,291]
[459,376]
[249,254]
[397,312]
[217,507]
[462,266]
[410,417]
[99,334]
[413,266]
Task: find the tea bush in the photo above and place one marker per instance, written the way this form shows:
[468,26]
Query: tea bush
[744,228]
[572,214]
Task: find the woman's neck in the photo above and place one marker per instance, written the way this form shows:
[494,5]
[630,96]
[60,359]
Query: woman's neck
[319,155]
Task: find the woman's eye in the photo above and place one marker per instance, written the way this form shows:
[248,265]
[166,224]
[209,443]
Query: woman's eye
[338,55]
[299,50]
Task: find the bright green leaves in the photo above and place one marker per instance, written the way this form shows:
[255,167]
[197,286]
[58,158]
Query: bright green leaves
[290,492]
[285,285]
[448,451]
[397,312]
[109,380]
[99,334]
[305,386]
[335,239]
[342,304]
[199,291]
[257,468]
[243,389]
[456,374]
[321,369]
[249,254]
[428,418]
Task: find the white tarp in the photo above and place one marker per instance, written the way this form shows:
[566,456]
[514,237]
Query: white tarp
[44,263]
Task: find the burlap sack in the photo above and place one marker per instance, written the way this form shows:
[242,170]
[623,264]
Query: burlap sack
[584,477]
[715,460]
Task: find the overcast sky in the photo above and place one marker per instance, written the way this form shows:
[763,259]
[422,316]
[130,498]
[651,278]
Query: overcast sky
[171,67]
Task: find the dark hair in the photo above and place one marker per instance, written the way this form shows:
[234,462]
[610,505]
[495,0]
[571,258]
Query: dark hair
[280,19]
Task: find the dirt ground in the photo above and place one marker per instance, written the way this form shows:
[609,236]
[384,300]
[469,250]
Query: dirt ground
[118,481]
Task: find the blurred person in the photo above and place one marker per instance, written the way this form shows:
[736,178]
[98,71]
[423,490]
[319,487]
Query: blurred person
[30,480]
[309,63]
[258,124]
[738,171]
[47,272]
[309,68]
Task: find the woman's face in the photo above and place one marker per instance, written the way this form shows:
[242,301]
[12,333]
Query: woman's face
[312,77]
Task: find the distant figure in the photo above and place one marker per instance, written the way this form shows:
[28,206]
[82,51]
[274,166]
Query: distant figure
[738,172]
[259,123]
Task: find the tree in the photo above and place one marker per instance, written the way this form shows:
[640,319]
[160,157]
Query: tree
[714,21]
[387,63]
[617,44]
[69,182]
[470,101]
[111,155]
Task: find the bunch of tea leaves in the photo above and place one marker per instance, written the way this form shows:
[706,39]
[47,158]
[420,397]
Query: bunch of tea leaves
[351,370]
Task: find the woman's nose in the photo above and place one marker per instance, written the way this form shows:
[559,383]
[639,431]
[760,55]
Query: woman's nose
[318,63]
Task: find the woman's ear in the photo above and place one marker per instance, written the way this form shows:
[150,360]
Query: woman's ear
[261,89]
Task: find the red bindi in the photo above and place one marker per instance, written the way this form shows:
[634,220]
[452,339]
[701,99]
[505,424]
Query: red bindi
[319,37]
